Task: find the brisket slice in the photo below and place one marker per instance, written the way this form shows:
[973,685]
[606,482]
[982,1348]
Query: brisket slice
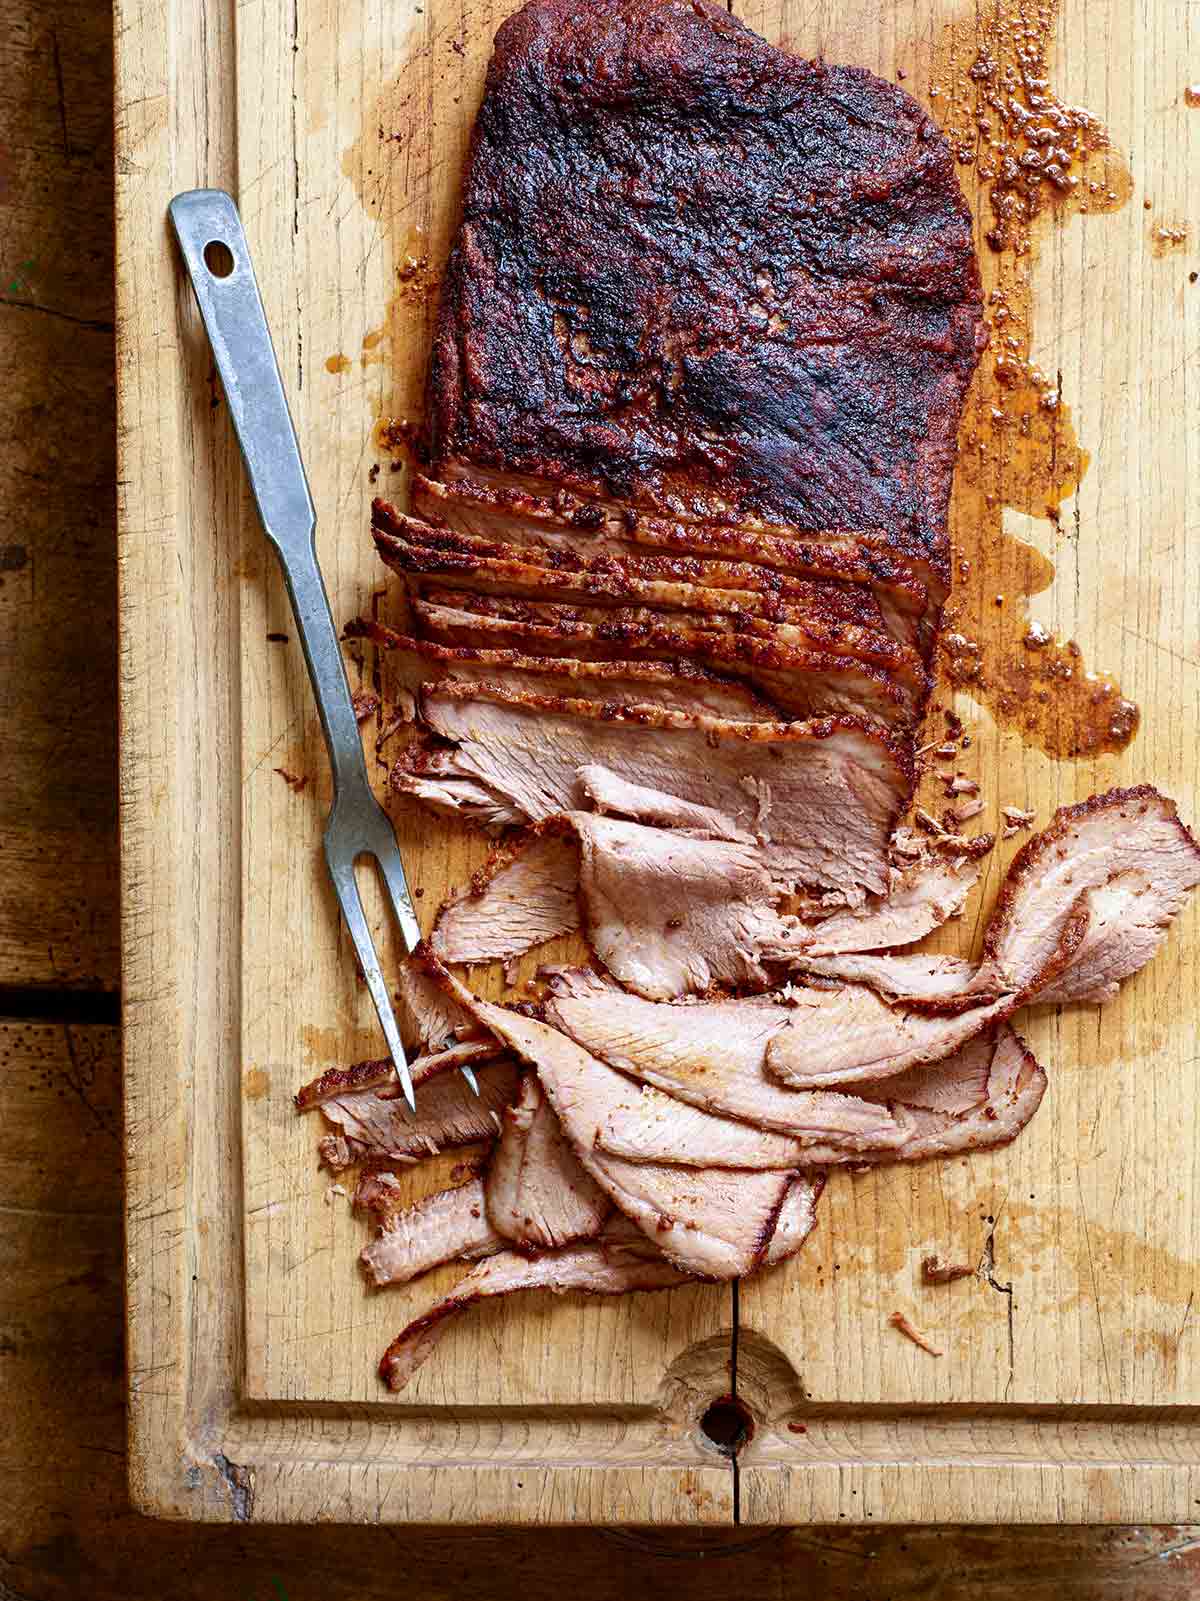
[548,604]
[427,1013]
[609,792]
[839,619]
[450,1224]
[805,315]
[489,511]
[1133,863]
[797,1218]
[525,894]
[715,1223]
[821,796]
[538,1195]
[711,1055]
[376,1125]
[919,899]
[797,681]
[850,1036]
[669,915]
[686,582]
[647,1125]
[920,982]
[379,1074]
[596,1269]
[980,1097]
[678,685]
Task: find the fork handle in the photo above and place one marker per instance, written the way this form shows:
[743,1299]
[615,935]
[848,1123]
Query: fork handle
[236,323]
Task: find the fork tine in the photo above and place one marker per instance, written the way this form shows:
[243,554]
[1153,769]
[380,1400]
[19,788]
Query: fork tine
[391,870]
[472,1082]
[386,853]
[352,910]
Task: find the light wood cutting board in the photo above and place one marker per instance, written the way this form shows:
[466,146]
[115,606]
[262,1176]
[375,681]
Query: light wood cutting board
[1069,1384]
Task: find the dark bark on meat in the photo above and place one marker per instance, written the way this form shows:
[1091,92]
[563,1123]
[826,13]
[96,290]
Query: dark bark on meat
[805,314]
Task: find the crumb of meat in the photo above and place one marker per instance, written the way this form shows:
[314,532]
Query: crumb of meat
[404,712]
[461,1171]
[293,780]
[972,846]
[910,1332]
[958,785]
[927,821]
[1015,819]
[935,1271]
[332,1190]
[905,843]
[967,809]
[511,969]
[946,753]
[365,705]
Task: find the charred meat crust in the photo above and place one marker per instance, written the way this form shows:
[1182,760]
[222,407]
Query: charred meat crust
[344,1081]
[833,620]
[718,728]
[448,1308]
[741,655]
[857,556]
[650,630]
[805,217]
[665,674]
[378,1074]
[611,573]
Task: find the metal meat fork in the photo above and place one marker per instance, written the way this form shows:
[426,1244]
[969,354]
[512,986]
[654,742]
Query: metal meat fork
[217,257]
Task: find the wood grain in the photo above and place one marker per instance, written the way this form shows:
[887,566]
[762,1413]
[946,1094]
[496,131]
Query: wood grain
[346,157]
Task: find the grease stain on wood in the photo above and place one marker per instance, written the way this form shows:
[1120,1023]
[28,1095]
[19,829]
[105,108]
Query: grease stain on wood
[1166,237]
[1033,160]
[256,1083]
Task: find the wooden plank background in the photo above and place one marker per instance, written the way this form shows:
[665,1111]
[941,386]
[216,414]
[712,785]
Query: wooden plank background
[65,1523]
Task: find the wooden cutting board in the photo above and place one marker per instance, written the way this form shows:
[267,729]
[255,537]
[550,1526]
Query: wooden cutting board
[1068,1385]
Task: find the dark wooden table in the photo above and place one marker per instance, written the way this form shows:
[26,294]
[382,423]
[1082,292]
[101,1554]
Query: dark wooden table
[66,1530]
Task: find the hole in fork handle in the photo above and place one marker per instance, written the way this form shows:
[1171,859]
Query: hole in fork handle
[219,259]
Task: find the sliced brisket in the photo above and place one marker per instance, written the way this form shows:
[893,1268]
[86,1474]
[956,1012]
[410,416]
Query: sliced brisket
[451,1224]
[538,1195]
[821,796]
[800,682]
[526,894]
[715,1223]
[375,1125]
[711,1055]
[592,1269]
[678,685]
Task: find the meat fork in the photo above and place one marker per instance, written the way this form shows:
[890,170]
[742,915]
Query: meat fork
[217,258]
